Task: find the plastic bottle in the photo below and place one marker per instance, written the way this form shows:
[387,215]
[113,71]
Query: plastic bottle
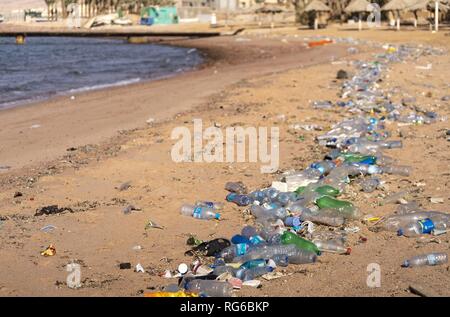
[199,212]
[210,288]
[271,193]
[269,251]
[258,195]
[249,231]
[240,200]
[292,238]
[346,213]
[331,246]
[424,226]
[286,198]
[330,202]
[280,259]
[237,239]
[304,257]
[252,273]
[426,259]
[395,222]
[254,263]
[369,185]
[329,220]
[324,167]
[358,158]
[233,251]
[224,269]
[236,187]
[210,204]
[397,170]
[275,213]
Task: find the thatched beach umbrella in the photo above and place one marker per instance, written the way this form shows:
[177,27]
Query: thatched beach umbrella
[397,6]
[430,5]
[359,6]
[270,9]
[317,7]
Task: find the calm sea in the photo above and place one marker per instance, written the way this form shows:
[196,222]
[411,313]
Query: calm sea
[45,67]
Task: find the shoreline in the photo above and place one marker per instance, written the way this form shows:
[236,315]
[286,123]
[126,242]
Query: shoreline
[219,70]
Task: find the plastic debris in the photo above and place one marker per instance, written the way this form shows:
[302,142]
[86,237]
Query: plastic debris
[50,251]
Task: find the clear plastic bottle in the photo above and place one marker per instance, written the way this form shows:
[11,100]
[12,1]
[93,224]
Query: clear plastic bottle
[329,220]
[424,226]
[324,167]
[252,273]
[395,222]
[331,246]
[397,170]
[210,204]
[236,187]
[234,251]
[369,185]
[268,251]
[210,288]
[199,212]
[426,259]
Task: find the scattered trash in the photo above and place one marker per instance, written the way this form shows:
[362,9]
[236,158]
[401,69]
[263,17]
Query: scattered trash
[210,248]
[5,167]
[183,268]
[48,228]
[151,224]
[124,186]
[342,74]
[130,208]
[125,266]
[252,283]
[35,126]
[51,210]
[437,200]
[18,194]
[50,251]
[137,248]
[180,293]
[139,268]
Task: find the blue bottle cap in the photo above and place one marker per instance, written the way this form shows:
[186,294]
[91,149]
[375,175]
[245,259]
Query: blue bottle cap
[400,232]
[217,216]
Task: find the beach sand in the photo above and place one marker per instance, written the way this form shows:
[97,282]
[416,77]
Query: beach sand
[250,80]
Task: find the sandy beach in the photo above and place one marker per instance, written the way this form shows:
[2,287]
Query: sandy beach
[89,145]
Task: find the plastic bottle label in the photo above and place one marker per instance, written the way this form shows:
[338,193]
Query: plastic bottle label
[256,239]
[427,225]
[431,258]
[209,204]
[241,248]
[231,197]
[197,212]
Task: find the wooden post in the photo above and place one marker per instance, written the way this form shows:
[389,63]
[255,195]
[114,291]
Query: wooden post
[398,20]
[316,23]
[436,15]
[360,22]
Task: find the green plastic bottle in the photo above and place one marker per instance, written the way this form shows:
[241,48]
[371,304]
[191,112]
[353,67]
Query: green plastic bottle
[327,190]
[333,203]
[300,190]
[291,238]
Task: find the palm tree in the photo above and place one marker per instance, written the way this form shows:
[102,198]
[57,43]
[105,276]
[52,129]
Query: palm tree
[49,4]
